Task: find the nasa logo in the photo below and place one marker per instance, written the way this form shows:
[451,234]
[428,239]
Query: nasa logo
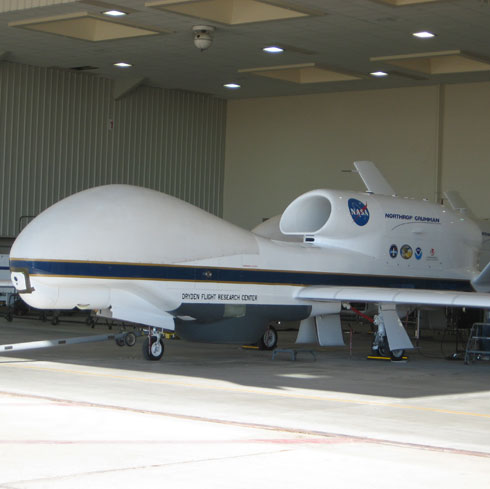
[418,253]
[359,212]
[406,252]
[393,251]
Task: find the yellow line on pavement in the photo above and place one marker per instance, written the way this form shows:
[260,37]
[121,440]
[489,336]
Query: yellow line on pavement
[245,390]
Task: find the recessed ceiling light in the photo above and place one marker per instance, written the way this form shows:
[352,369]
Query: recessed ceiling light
[379,74]
[232,86]
[123,65]
[273,49]
[423,34]
[114,13]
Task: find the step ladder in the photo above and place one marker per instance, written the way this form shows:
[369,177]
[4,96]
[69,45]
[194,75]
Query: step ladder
[478,344]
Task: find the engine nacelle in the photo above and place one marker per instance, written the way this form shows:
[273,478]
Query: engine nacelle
[329,217]
[382,226]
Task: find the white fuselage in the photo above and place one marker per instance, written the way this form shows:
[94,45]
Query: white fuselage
[144,255]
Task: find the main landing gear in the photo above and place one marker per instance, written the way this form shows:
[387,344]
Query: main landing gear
[380,347]
[268,341]
[380,344]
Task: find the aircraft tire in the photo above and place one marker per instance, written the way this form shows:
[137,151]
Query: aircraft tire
[384,351]
[268,341]
[381,349]
[130,339]
[153,349]
[120,342]
[397,354]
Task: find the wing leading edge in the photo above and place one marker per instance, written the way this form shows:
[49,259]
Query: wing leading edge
[395,296]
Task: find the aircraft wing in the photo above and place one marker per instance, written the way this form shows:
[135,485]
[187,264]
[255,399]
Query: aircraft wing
[395,295]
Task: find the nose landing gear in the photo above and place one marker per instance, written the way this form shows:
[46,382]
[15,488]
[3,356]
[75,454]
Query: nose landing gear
[153,346]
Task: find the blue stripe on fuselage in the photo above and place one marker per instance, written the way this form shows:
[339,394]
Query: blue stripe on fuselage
[137,271]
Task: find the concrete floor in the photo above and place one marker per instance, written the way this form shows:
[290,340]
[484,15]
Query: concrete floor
[212,416]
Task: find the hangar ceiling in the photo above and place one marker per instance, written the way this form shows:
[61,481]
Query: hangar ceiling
[329,45]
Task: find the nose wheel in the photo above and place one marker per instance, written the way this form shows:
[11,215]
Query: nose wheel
[153,347]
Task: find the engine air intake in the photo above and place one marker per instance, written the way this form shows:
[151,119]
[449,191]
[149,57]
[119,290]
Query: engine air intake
[306,215]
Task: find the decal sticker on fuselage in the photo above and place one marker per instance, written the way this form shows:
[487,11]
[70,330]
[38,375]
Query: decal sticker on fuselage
[229,297]
[393,251]
[408,218]
[359,212]
[432,255]
[406,252]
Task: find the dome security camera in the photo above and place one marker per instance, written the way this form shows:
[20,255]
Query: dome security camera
[202,41]
[203,36]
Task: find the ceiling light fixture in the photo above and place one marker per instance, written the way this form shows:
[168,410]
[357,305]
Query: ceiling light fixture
[121,64]
[114,13]
[423,34]
[232,86]
[273,49]
[379,74]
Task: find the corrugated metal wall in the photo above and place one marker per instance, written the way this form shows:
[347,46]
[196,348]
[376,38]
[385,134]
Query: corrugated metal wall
[61,132]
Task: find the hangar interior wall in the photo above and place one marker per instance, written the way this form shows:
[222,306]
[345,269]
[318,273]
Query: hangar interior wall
[425,140]
[61,132]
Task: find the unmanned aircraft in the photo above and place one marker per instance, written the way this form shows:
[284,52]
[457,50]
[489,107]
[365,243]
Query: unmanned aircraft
[141,256]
